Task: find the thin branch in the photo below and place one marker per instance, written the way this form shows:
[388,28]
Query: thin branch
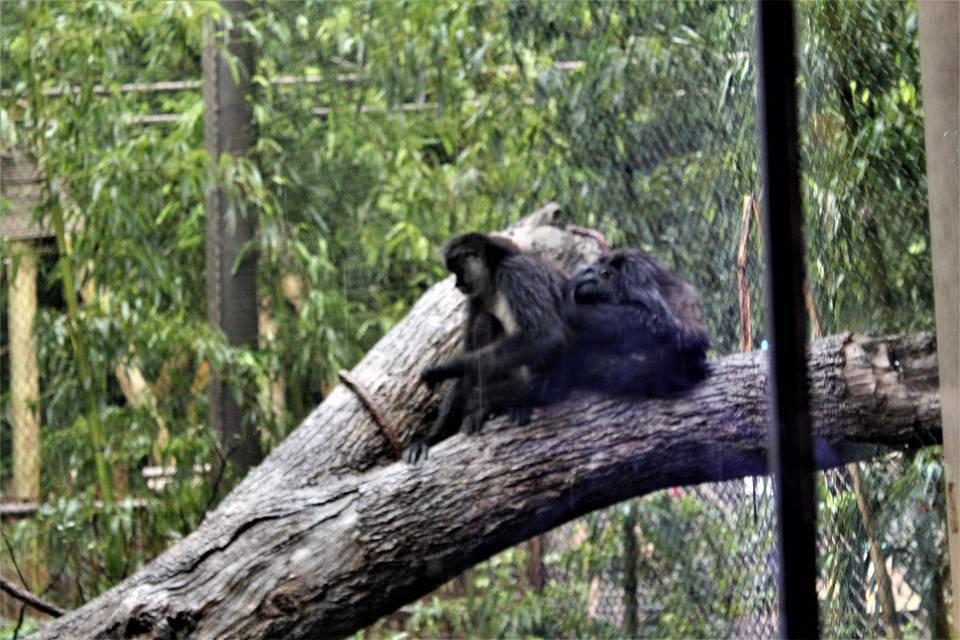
[192,85]
[13,558]
[388,430]
[16,631]
[743,284]
[586,232]
[30,599]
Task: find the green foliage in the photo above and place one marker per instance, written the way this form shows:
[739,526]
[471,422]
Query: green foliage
[134,194]
[423,119]
[866,190]
[497,600]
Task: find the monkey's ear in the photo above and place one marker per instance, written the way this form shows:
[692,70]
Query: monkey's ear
[617,258]
[638,274]
[499,248]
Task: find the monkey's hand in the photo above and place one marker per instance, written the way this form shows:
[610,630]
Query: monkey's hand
[432,376]
[416,452]
[472,423]
[521,415]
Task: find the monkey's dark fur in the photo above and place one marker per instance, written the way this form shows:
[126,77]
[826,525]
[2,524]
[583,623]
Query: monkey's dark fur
[631,326]
[514,332]
[636,327]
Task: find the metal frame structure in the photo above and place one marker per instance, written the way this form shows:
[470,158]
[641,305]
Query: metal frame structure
[791,456]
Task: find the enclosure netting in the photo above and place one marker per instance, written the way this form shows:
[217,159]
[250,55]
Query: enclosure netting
[386,128]
[639,119]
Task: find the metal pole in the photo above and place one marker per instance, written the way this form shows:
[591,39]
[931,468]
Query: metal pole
[231,282]
[791,459]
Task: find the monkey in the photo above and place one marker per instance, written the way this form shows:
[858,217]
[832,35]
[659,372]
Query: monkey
[634,329]
[637,327]
[515,328]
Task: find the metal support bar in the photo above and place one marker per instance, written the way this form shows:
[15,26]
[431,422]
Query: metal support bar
[231,275]
[791,459]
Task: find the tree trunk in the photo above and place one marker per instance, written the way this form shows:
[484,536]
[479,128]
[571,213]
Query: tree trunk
[328,534]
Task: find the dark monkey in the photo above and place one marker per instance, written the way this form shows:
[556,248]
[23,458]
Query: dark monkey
[636,327]
[633,327]
[514,330]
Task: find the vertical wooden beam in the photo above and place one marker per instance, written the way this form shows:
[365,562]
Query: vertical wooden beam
[940,70]
[24,372]
[231,280]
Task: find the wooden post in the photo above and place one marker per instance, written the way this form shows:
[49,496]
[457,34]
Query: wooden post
[940,68]
[231,282]
[24,372]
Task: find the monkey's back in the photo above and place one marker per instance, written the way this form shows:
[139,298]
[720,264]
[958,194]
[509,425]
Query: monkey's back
[534,290]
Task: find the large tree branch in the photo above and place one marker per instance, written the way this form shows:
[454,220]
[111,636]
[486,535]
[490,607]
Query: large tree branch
[317,560]
[328,533]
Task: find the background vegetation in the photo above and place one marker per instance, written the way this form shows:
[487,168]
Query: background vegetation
[424,119]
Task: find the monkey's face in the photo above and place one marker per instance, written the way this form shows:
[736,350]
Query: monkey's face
[473,275]
[599,282]
[466,257]
[474,259]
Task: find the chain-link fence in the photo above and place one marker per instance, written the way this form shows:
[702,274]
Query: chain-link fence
[384,129]
[707,558]
[659,128]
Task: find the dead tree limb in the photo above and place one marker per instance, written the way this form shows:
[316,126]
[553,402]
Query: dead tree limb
[306,558]
[328,533]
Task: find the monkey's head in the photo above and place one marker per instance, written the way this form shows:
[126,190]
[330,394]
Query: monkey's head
[618,277]
[474,259]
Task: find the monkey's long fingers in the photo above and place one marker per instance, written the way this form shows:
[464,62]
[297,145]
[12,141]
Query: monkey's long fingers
[521,415]
[416,452]
[472,423]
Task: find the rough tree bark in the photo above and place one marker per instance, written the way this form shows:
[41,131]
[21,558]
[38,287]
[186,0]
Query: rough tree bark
[328,533]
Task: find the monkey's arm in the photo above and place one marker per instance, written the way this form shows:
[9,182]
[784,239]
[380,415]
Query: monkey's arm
[445,425]
[620,327]
[497,360]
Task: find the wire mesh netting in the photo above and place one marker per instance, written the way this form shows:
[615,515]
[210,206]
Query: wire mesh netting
[640,120]
[383,130]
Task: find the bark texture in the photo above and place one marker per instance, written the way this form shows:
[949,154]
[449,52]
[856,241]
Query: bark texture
[328,533]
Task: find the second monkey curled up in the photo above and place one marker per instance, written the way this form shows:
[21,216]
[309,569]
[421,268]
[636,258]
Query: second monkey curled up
[624,324]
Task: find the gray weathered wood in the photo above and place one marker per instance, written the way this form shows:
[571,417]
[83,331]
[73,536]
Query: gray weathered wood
[939,24]
[306,558]
[328,533]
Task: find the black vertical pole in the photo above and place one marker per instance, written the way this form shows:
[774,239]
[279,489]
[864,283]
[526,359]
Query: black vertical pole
[791,459]
[231,285]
